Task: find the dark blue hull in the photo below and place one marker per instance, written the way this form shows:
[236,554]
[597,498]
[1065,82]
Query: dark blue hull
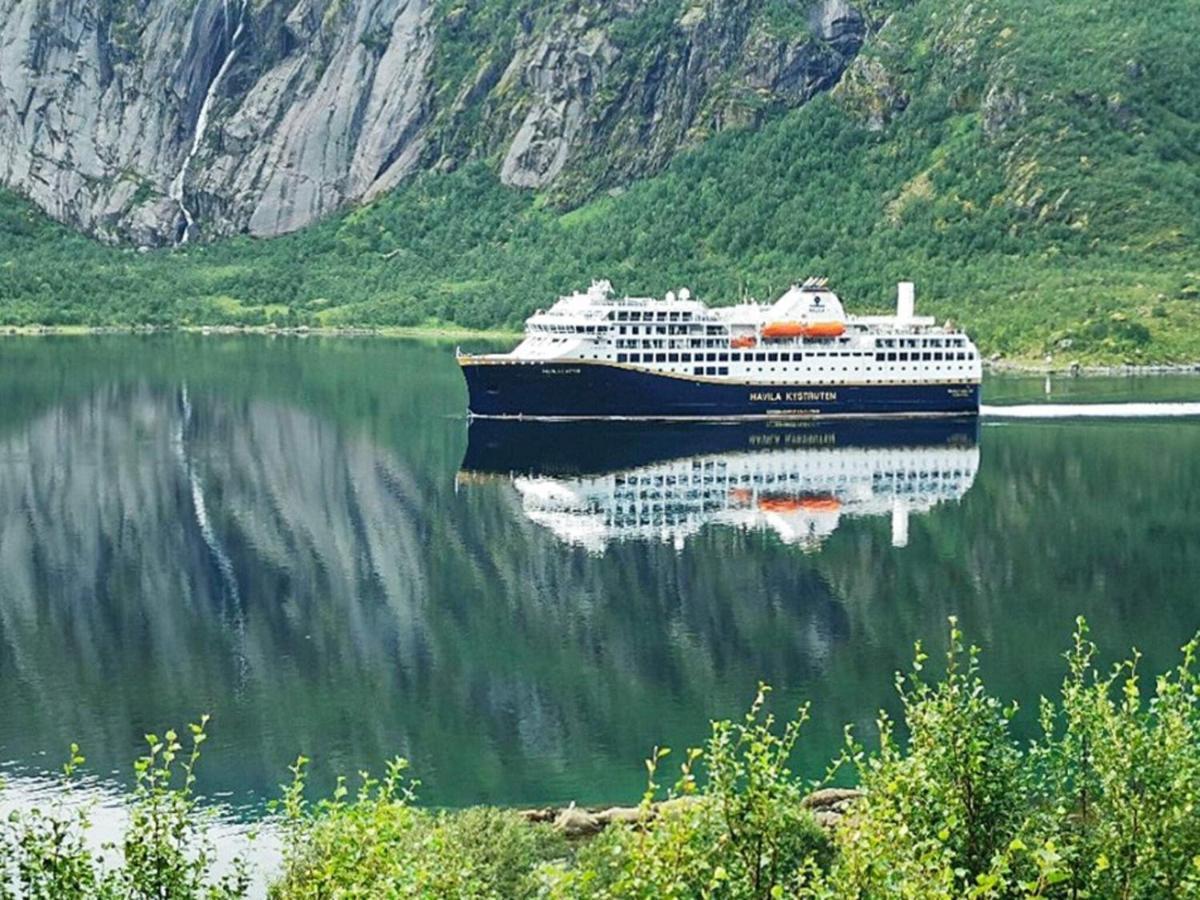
[592,390]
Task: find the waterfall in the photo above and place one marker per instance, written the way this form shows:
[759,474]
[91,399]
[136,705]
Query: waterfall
[176,192]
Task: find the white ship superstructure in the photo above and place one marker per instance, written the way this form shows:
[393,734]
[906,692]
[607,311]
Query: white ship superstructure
[805,337]
[801,494]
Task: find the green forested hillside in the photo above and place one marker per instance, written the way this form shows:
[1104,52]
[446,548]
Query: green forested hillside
[1034,166]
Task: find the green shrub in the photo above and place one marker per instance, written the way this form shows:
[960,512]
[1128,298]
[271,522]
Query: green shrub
[165,854]
[43,854]
[745,833]
[1103,805]
[1117,792]
[937,811]
[378,845]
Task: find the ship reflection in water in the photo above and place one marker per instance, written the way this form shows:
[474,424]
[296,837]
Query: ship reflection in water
[594,483]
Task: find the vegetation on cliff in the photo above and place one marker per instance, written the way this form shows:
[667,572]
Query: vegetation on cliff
[1033,166]
[1100,805]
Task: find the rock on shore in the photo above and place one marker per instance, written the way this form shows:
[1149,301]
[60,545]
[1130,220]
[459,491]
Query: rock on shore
[828,806]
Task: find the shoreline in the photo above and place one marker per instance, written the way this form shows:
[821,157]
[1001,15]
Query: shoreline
[1082,370]
[436,332]
[453,332]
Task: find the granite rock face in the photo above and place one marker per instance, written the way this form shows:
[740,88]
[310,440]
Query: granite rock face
[156,121]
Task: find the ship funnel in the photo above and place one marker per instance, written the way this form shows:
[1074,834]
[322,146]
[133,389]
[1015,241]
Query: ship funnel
[905,300]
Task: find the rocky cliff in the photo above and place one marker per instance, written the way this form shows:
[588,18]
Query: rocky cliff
[160,122]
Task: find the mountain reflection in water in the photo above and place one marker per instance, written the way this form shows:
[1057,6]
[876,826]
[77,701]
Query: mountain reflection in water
[594,483]
[168,552]
[274,532]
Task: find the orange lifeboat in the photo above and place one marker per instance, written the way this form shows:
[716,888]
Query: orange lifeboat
[774,331]
[807,503]
[740,343]
[825,329]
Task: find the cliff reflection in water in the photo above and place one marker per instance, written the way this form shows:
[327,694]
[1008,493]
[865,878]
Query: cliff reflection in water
[593,484]
[163,555]
[169,551]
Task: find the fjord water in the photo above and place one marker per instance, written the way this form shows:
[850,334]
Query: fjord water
[277,532]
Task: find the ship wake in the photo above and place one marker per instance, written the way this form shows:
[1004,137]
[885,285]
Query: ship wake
[1091,411]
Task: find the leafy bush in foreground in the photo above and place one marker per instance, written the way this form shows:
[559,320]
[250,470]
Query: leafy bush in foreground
[745,834]
[166,852]
[378,844]
[1103,804]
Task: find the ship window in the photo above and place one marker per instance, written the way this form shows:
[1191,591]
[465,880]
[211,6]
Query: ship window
[903,357]
[891,357]
[772,357]
[723,370]
[660,357]
[672,357]
[722,357]
[685,357]
[622,357]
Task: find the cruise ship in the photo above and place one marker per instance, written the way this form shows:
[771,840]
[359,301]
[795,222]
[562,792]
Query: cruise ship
[593,355]
[667,485]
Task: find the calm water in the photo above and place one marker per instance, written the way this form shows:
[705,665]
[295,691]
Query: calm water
[295,536]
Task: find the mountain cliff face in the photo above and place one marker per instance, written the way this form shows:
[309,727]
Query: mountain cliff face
[159,122]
